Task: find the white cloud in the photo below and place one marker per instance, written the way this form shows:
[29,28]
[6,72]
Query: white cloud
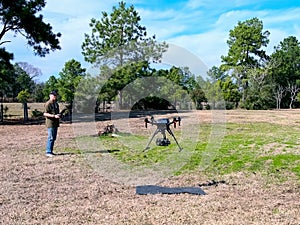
[181,57]
[78,7]
[161,24]
[280,18]
[193,4]
[211,45]
[217,5]
[231,18]
[207,46]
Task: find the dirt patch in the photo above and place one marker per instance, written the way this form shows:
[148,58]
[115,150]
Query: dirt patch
[66,190]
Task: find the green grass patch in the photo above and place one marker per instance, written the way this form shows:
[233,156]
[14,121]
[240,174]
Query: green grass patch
[130,149]
[266,148]
[259,147]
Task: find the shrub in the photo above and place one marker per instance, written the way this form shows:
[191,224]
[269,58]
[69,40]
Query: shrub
[36,113]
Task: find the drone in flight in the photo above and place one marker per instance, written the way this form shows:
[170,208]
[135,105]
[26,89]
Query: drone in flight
[163,126]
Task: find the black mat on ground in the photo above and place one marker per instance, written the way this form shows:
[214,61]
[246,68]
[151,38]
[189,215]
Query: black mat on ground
[153,189]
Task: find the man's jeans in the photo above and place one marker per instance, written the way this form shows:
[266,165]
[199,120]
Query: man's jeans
[52,133]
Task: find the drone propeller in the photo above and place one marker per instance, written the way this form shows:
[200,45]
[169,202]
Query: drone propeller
[175,120]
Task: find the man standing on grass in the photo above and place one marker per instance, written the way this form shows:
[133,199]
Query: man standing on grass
[52,115]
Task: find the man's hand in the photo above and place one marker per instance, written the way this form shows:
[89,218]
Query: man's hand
[57,116]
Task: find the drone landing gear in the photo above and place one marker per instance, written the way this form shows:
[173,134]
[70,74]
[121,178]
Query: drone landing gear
[163,125]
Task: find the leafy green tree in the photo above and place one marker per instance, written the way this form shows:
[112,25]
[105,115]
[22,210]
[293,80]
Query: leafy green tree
[34,87]
[20,17]
[50,85]
[212,87]
[260,91]
[23,97]
[286,61]
[213,94]
[38,95]
[107,92]
[230,92]
[245,52]
[118,39]
[70,76]
[123,76]
[23,81]
[285,68]
[198,96]
[215,73]
[6,69]
[222,88]
[6,77]
[188,85]
[16,79]
[152,92]
[85,98]
[183,77]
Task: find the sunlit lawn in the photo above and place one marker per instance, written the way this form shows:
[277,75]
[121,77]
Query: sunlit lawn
[270,149]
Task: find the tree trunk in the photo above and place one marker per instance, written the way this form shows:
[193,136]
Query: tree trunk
[120,99]
[1,113]
[103,106]
[25,107]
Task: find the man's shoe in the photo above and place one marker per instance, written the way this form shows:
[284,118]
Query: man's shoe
[49,154]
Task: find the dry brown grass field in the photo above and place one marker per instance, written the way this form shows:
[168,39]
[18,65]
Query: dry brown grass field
[15,110]
[65,189]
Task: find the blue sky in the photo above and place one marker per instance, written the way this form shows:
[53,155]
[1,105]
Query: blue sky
[199,26]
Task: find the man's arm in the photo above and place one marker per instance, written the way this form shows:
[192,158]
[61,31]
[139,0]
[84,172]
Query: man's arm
[49,115]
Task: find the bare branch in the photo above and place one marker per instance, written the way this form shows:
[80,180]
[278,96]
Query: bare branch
[3,42]
[279,95]
[293,89]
